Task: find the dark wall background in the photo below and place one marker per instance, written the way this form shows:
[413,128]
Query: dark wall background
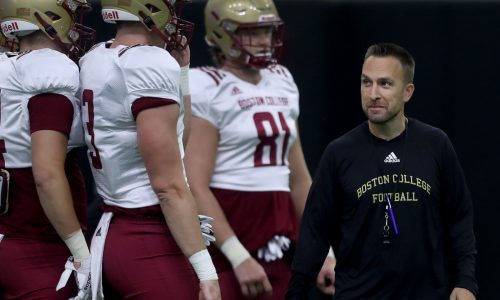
[456,46]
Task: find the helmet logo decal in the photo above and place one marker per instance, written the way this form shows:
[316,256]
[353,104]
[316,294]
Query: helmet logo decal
[110,15]
[9,26]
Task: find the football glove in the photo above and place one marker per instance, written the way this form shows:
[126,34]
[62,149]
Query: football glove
[207,232]
[82,277]
[274,249]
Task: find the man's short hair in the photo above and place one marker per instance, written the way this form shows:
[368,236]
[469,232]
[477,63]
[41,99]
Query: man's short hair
[398,52]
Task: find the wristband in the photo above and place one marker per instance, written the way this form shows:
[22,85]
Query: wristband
[77,246]
[203,265]
[185,81]
[234,251]
[330,253]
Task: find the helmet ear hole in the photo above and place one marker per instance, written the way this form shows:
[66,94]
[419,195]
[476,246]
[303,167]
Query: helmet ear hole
[217,35]
[53,16]
[153,9]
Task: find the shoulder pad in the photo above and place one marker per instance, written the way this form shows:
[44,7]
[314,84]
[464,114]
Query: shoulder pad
[47,70]
[149,68]
[280,71]
[214,73]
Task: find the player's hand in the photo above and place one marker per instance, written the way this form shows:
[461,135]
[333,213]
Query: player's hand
[253,279]
[209,290]
[326,276]
[183,57]
[461,294]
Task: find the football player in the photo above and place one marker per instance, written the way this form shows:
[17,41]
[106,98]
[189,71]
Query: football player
[42,200]
[244,159]
[132,112]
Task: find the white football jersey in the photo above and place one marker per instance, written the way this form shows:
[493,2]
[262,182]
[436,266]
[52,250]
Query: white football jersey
[111,80]
[22,77]
[256,124]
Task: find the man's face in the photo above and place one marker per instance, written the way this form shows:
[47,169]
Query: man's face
[257,41]
[383,90]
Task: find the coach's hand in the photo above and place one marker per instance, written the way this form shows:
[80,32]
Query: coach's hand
[326,276]
[461,294]
[253,279]
[209,290]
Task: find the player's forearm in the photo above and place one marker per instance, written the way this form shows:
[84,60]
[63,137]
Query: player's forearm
[299,191]
[208,205]
[55,198]
[300,179]
[300,183]
[226,240]
[180,213]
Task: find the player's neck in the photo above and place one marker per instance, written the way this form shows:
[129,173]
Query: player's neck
[37,41]
[134,33]
[244,73]
[390,129]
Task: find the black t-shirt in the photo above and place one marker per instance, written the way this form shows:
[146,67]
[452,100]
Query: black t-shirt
[419,173]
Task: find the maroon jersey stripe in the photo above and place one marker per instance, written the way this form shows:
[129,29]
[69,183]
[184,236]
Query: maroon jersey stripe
[149,102]
[50,112]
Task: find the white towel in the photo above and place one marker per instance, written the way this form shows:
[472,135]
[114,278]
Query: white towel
[97,251]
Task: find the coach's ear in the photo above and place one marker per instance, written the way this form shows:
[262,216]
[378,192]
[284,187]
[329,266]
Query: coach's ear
[409,89]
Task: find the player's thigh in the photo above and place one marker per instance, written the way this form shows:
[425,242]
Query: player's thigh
[34,268]
[229,285]
[142,261]
[278,273]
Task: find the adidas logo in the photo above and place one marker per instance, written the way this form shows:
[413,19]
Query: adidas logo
[98,232]
[236,91]
[391,158]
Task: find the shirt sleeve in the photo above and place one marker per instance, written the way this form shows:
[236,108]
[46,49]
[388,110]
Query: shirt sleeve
[459,219]
[49,72]
[315,237]
[50,112]
[150,72]
[201,89]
